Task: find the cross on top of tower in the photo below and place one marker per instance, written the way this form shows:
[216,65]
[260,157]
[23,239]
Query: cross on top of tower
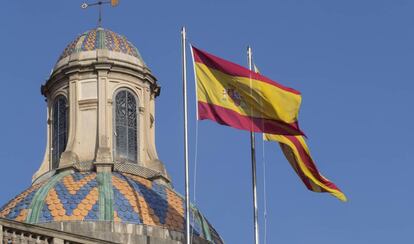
[113,3]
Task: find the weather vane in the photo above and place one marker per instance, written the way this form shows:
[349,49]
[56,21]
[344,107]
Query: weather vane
[113,3]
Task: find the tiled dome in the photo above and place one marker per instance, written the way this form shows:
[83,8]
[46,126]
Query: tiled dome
[100,39]
[118,197]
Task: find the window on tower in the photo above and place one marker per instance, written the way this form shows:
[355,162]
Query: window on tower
[59,129]
[125,127]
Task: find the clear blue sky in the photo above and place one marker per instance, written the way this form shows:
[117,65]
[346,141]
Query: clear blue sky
[352,60]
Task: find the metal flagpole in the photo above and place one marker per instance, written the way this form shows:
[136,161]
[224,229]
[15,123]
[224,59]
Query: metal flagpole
[253,155]
[187,189]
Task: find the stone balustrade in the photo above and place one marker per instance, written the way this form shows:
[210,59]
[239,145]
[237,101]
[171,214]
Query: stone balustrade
[13,232]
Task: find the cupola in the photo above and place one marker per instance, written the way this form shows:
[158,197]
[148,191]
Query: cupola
[101,113]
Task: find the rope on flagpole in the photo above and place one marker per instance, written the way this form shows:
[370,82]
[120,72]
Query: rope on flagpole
[195,165]
[264,192]
[195,172]
[195,144]
[196,129]
[195,178]
[256,70]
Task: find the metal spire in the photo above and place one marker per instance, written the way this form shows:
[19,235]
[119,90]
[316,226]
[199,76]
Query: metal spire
[113,3]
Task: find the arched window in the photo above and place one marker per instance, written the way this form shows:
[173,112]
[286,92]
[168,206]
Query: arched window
[125,128]
[59,129]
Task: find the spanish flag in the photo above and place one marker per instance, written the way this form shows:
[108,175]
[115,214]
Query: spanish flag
[297,153]
[232,95]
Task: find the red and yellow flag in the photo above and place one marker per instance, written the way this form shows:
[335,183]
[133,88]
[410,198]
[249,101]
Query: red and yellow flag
[235,96]
[298,155]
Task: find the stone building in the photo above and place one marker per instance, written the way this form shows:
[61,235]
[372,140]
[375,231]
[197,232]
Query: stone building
[101,180]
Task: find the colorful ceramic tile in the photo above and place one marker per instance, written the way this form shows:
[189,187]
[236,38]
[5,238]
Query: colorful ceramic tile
[83,196]
[100,39]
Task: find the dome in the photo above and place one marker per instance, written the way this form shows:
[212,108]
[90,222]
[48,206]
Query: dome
[105,197]
[100,39]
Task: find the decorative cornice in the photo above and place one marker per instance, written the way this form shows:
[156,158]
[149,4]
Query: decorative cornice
[87,104]
[78,68]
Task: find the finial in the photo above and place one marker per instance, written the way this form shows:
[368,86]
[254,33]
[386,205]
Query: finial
[113,3]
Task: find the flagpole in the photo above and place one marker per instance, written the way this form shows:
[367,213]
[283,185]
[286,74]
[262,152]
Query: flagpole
[253,157]
[187,189]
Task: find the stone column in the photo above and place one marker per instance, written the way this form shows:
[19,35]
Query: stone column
[103,161]
[69,157]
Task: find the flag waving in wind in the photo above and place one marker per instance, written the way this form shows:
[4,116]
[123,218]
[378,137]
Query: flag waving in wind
[235,96]
[297,153]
